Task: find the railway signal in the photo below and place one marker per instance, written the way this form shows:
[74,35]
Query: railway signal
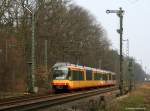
[120,13]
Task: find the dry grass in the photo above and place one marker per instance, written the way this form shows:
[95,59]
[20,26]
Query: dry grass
[138,100]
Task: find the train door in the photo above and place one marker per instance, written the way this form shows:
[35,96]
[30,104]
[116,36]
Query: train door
[77,78]
[89,78]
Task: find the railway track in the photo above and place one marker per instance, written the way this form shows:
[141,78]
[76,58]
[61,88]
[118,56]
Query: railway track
[11,101]
[22,98]
[16,97]
[26,104]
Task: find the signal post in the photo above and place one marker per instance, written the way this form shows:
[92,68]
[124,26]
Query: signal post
[120,13]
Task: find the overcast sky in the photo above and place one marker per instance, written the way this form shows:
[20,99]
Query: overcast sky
[136,24]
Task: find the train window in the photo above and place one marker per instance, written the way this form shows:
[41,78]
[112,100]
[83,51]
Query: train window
[96,76]
[81,75]
[60,73]
[113,77]
[69,74]
[88,75]
[105,77]
[109,76]
[100,76]
[77,75]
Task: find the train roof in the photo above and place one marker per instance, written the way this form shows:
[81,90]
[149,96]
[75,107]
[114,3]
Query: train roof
[81,67]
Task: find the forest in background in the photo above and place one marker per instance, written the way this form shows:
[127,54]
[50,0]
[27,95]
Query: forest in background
[72,33]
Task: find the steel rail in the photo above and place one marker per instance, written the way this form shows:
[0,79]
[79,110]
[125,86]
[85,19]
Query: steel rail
[25,98]
[54,100]
[16,97]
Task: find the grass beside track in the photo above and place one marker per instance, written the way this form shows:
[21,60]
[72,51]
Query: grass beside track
[137,100]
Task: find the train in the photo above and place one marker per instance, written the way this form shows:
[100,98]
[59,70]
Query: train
[67,77]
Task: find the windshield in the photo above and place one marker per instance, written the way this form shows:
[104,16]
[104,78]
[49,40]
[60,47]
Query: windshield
[60,73]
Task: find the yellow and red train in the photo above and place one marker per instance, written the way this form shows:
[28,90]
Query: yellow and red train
[70,77]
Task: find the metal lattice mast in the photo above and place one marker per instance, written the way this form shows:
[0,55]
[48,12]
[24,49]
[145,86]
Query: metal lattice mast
[33,52]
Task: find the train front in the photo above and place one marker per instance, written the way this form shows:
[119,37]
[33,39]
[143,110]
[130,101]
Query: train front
[61,76]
